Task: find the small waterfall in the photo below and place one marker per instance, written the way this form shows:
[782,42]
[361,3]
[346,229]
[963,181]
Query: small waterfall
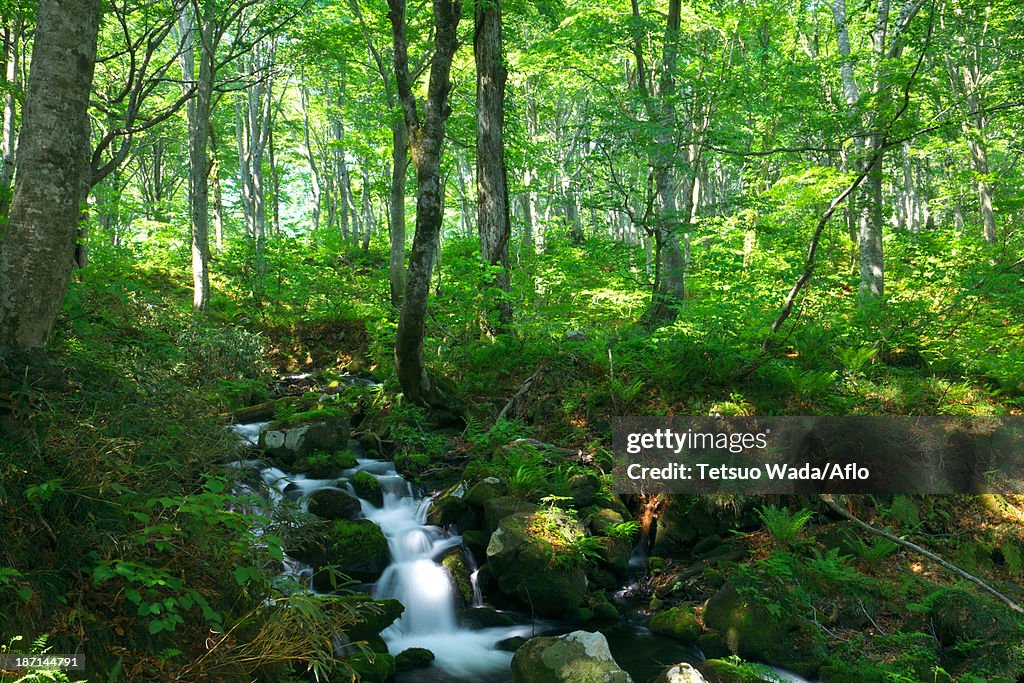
[415,576]
[417,579]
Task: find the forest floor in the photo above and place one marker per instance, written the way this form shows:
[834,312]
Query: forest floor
[120,536]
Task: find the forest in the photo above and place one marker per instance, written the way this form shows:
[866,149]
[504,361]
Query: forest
[316,318]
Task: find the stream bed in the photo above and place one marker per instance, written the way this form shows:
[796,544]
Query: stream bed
[416,578]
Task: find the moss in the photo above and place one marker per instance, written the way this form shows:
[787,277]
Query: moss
[678,622]
[323,465]
[455,563]
[358,549]
[368,487]
[375,667]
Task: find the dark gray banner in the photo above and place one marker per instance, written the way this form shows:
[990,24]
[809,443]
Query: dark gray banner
[849,454]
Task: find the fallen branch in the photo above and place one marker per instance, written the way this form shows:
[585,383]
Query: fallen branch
[523,390]
[831,503]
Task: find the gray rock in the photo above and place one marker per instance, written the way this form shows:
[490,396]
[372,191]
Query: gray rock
[680,673]
[577,657]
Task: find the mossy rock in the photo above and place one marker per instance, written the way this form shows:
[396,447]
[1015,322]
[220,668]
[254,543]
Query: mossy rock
[485,490]
[521,563]
[368,488]
[497,509]
[413,658]
[584,489]
[301,435]
[358,548]
[375,667]
[678,622]
[754,633]
[374,615]
[577,657]
[601,607]
[724,671]
[412,465]
[324,465]
[599,520]
[454,560]
[451,508]
[511,644]
[333,504]
[713,645]
[485,617]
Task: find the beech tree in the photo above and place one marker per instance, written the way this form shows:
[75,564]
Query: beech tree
[493,222]
[426,136]
[37,252]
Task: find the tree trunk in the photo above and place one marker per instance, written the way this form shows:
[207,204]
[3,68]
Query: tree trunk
[9,139]
[368,219]
[36,254]
[493,221]
[197,34]
[426,133]
[314,168]
[396,210]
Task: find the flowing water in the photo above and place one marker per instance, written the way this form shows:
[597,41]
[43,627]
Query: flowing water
[416,578]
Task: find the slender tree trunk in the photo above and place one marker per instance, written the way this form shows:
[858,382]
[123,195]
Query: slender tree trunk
[197,34]
[368,218]
[427,137]
[218,199]
[275,182]
[314,168]
[396,210]
[36,253]
[493,221]
[9,139]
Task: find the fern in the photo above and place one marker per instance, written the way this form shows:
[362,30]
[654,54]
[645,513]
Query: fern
[783,525]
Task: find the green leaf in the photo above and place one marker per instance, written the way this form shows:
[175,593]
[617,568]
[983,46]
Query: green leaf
[101,574]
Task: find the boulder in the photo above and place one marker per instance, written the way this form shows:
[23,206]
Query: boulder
[358,549]
[577,657]
[754,633]
[454,560]
[520,562]
[485,490]
[678,622]
[324,465]
[323,429]
[333,503]
[368,488]
[413,658]
[497,509]
[600,520]
[511,644]
[372,667]
[584,489]
[725,671]
[485,617]
[451,509]
[680,673]
[687,520]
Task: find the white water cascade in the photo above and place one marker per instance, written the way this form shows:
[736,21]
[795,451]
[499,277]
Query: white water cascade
[418,581]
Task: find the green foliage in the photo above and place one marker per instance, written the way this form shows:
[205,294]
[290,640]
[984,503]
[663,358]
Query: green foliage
[783,525]
[564,540]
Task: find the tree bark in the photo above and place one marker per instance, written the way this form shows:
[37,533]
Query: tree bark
[396,212]
[493,222]
[197,34]
[426,135]
[9,140]
[36,253]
